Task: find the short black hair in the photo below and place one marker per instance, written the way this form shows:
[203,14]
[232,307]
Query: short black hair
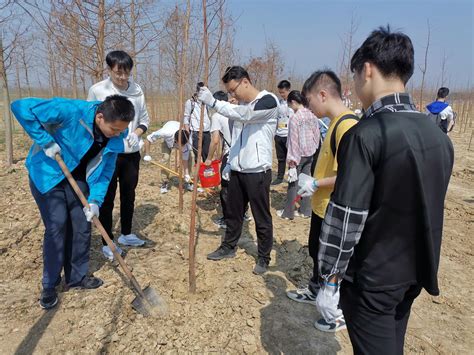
[391,52]
[235,73]
[184,136]
[120,59]
[443,93]
[295,95]
[325,79]
[116,108]
[284,84]
[221,96]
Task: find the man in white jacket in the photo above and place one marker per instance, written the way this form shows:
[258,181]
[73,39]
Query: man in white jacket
[120,65]
[250,161]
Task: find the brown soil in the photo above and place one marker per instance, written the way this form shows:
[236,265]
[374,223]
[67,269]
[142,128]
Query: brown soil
[233,310]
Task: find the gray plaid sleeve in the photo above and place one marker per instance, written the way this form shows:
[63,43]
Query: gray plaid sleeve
[340,233]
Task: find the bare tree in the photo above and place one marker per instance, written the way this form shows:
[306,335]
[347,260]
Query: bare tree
[425,64]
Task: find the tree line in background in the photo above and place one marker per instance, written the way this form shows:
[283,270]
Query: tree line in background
[58,48]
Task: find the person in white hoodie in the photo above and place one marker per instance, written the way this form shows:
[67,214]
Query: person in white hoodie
[250,161]
[119,82]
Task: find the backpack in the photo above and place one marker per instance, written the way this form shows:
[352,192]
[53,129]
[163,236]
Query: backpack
[333,134]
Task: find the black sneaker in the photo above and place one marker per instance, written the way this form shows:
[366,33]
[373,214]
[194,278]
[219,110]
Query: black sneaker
[88,283]
[261,267]
[48,298]
[277,182]
[221,253]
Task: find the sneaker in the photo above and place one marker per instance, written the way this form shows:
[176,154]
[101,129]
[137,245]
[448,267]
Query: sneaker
[108,252]
[247,217]
[299,214]
[87,283]
[220,223]
[261,267]
[164,188]
[131,240]
[280,214]
[147,158]
[221,253]
[48,298]
[276,182]
[188,186]
[201,190]
[330,327]
[303,295]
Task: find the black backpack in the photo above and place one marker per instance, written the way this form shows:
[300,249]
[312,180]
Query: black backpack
[333,134]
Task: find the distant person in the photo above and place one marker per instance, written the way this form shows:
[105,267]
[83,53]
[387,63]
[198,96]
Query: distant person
[170,135]
[381,236]
[281,134]
[88,137]
[303,141]
[250,162]
[440,112]
[192,119]
[323,92]
[127,169]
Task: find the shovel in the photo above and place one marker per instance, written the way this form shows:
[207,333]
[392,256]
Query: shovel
[147,301]
[168,170]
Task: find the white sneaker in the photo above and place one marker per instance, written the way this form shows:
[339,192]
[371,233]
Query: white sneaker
[147,158]
[131,240]
[247,217]
[164,188]
[330,327]
[108,252]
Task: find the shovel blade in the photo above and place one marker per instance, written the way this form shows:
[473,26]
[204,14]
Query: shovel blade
[151,305]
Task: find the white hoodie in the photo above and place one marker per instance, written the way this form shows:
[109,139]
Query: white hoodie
[104,88]
[252,133]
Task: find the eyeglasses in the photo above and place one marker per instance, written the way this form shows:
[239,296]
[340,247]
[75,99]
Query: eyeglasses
[232,91]
[121,73]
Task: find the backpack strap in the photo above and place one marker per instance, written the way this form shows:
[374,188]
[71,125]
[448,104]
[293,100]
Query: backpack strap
[334,131]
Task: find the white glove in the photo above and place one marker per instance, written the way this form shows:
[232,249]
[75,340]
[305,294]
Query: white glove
[205,96]
[90,212]
[226,173]
[51,149]
[327,303]
[307,185]
[292,175]
[133,139]
[147,158]
[187,178]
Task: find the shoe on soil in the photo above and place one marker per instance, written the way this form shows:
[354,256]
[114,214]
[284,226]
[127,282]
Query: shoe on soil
[261,267]
[164,188]
[188,186]
[303,295]
[220,223]
[330,327]
[280,214]
[87,283]
[247,217]
[299,214]
[147,158]
[221,253]
[108,252]
[131,240]
[276,182]
[48,298]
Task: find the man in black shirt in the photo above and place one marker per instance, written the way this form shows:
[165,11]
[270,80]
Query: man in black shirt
[381,237]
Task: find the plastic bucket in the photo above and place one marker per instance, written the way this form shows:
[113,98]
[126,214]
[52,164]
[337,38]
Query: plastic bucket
[210,176]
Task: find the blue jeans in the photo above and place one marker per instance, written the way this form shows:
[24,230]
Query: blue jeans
[67,234]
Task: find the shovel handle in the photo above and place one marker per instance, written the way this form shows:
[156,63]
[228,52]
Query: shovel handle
[99,225]
[167,169]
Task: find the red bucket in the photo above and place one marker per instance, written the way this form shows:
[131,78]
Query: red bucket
[210,176]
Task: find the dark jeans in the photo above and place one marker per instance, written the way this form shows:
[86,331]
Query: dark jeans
[377,321]
[126,174]
[305,204]
[254,188]
[67,233]
[313,246]
[281,151]
[206,142]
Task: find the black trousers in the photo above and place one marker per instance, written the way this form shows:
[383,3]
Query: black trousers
[224,188]
[313,246]
[281,151]
[206,142]
[126,174]
[377,321]
[315,158]
[253,188]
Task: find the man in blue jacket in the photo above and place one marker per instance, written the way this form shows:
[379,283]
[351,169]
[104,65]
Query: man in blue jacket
[88,137]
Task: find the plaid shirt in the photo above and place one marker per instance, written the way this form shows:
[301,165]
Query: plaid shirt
[303,136]
[342,226]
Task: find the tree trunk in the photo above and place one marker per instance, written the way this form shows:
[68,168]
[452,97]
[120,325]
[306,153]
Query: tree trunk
[6,108]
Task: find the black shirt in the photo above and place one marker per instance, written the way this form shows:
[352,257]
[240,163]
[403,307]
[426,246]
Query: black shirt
[100,141]
[397,166]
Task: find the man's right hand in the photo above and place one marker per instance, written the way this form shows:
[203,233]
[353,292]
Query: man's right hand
[226,173]
[51,149]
